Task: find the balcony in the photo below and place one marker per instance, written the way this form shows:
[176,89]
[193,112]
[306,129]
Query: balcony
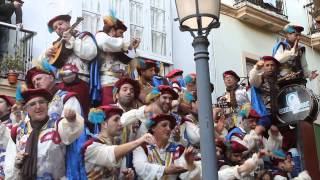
[263,15]
[15,54]
[315,38]
[315,34]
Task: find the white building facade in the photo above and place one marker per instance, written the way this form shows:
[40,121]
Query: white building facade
[247,32]
[149,20]
[239,42]
[235,45]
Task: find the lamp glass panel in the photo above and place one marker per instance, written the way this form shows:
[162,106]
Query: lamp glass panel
[209,7]
[185,8]
[192,22]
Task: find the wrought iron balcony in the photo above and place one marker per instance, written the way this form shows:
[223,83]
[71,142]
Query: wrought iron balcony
[278,6]
[16,49]
[315,37]
[15,54]
[268,16]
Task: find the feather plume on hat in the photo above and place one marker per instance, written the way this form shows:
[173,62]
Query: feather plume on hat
[245,109]
[21,87]
[110,20]
[96,116]
[155,92]
[46,66]
[188,97]
[190,78]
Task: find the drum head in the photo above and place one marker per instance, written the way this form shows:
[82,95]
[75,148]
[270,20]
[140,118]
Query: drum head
[294,103]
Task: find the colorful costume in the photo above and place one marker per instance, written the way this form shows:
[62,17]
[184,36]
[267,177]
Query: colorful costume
[79,51]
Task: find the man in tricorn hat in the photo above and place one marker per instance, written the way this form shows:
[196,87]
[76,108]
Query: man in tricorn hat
[62,100]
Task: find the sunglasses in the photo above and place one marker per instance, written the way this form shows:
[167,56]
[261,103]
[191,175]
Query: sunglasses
[33,104]
[66,73]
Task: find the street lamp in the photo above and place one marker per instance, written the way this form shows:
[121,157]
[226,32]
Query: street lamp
[201,16]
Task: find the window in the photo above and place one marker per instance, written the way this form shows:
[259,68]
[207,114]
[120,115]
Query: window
[150,21]
[248,61]
[158,27]
[119,7]
[136,22]
[249,65]
[91,14]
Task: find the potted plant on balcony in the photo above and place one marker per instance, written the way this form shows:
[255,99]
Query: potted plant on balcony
[12,65]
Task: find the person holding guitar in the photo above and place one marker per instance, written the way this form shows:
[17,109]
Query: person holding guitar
[72,47]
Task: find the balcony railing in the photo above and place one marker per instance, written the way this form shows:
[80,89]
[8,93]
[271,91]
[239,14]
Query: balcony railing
[314,29]
[277,7]
[17,48]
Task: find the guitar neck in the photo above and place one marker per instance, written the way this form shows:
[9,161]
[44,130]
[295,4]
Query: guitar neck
[72,27]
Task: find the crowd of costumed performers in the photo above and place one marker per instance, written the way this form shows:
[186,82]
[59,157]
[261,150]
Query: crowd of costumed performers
[91,108]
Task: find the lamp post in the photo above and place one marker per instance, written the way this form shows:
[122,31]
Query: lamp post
[200,16]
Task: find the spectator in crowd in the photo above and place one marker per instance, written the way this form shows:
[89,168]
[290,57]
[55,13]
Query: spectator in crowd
[7,8]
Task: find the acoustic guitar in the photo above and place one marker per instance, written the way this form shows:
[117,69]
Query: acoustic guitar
[59,43]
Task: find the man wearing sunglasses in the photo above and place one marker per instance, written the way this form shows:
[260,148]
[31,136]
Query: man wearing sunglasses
[69,74]
[292,56]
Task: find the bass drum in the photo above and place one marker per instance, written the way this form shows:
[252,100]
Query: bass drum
[296,103]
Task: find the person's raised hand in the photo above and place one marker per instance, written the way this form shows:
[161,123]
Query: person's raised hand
[259,65]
